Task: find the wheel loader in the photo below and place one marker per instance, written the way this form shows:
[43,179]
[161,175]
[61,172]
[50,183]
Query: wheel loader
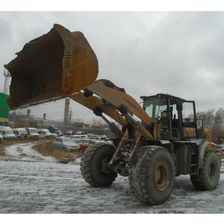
[153,144]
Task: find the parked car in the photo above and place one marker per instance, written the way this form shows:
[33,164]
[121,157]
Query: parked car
[69,132]
[44,133]
[1,138]
[91,136]
[55,135]
[7,132]
[84,143]
[78,137]
[20,132]
[52,129]
[102,138]
[99,137]
[32,132]
[66,143]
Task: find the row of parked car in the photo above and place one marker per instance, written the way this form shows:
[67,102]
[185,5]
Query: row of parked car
[12,133]
[67,142]
[82,142]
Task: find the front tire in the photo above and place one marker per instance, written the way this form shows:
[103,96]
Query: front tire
[152,177]
[209,175]
[94,167]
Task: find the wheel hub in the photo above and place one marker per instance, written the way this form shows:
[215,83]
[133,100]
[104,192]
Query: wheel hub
[162,176]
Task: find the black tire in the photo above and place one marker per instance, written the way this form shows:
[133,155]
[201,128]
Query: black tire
[209,175]
[153,175]
[132,174]
[93,165]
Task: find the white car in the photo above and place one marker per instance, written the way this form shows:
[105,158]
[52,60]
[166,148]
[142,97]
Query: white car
[44,133]
[32,132]
[101,138]
[96,141]
[7,132]
[1,138]
[78,137]
[20,132]
[66,143]
[54,135]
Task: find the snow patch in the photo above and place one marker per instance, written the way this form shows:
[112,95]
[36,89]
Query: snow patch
[50,187]
[25,151]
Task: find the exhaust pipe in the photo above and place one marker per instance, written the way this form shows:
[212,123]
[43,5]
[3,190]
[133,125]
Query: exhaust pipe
[55,65]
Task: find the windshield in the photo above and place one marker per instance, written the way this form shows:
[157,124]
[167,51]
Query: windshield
[33,131]
[9,132]
[44,131]
[68,141]
[22,131]
[154,107]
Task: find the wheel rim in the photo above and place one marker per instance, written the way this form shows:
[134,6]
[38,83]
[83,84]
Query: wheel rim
[162,176]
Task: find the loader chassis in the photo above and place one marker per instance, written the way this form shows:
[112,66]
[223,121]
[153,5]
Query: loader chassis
[180,137]
[151,145]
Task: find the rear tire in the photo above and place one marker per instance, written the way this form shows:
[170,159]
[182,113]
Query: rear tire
[209,175]
[151,179]
[94,165]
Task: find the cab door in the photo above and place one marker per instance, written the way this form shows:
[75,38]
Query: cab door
[189,121]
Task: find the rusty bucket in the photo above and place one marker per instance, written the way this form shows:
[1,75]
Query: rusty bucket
[57,64]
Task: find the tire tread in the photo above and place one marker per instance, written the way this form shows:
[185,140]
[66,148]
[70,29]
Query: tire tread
[138,175]
[86,168]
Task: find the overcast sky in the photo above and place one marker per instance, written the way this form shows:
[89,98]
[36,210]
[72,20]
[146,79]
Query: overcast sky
[146,53]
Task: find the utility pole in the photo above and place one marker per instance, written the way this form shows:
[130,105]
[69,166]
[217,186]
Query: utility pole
[70,117]
[66,112]
[7,82]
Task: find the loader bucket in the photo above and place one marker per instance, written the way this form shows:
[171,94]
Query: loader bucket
[57,64]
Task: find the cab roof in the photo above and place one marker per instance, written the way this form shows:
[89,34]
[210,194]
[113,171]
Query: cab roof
[163,96]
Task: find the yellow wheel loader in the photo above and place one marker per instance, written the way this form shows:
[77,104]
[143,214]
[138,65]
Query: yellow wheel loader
[153,144]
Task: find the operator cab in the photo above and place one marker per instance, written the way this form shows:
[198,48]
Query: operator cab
[175,116]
